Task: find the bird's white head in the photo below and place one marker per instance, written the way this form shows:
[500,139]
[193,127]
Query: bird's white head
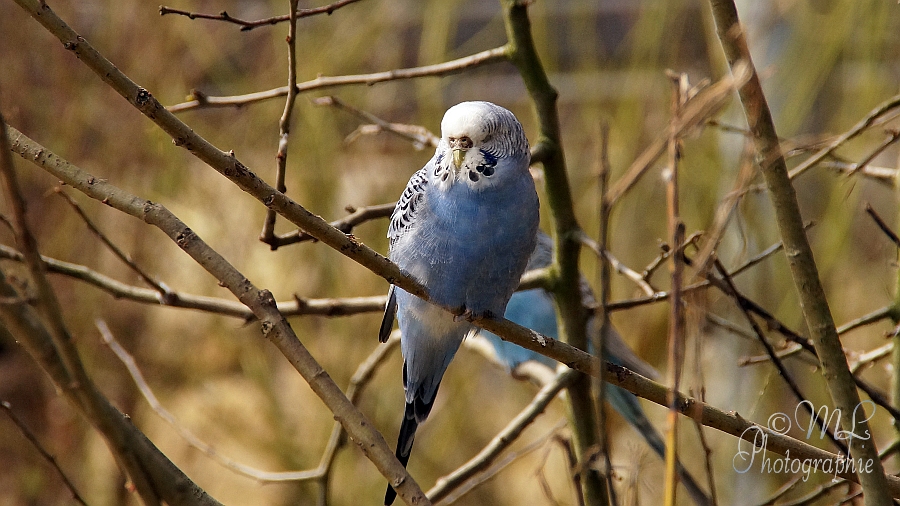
[475,137]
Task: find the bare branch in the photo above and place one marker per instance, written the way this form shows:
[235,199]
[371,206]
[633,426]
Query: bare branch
[418,135]
[882,225]
[697,110]
[284,128]
[345,225]
[164,292]
[503,439]
[202,101]
[155,478]
[869,120]
[297,307]
[246,26]
[44,453]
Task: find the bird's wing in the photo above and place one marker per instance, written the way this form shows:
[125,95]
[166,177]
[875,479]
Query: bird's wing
[390,312]
[404,215]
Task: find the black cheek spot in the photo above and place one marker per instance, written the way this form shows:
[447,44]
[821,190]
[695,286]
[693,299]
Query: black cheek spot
[488,170]
[473,176]
[444,177]
[480,168]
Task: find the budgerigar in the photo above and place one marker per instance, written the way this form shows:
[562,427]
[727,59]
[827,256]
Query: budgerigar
[464,227]
[534,309]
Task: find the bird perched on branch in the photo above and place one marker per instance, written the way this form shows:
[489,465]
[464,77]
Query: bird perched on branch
[535,309]
[464,227]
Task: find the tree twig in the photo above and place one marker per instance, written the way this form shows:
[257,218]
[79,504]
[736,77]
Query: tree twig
[249,25]
[284,129]
[879,111]
[164,293]
[23,428]
[882,225]
[420,136]
[203,101]
[565,285]
[732,291]
[297,307]
[447,484]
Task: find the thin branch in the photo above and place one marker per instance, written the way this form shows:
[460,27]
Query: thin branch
[420,136]
[707,454]
[44,453]
[666,252]
[616,264]
[677,330]
[868,358]
[41,330]
[202,101]
[882,225]
[725,211]
[893,136]
[262,476]
[522,53]
[873,317]
[503,439]
[883,175]
[297,307]
[698,109]
[732,291]
[879,111]
[163,290]
[501,464]
[284,129]
[246,26]
[790,351]
[345,225]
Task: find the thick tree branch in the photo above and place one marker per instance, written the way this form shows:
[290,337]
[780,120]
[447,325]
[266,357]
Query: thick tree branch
[813,301]
[155,478]
[522,53]
[273,324]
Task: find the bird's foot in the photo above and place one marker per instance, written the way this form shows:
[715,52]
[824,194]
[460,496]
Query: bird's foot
[462,314]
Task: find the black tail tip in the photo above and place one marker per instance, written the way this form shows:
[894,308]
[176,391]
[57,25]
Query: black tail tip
[389,496]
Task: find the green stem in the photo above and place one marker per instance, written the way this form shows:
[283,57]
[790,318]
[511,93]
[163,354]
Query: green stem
[522,53]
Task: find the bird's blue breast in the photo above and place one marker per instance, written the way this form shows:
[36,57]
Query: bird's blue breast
[472,244]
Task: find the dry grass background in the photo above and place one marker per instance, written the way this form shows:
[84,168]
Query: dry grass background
[826,63]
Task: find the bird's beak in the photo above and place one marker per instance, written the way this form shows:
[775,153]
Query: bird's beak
[459,155]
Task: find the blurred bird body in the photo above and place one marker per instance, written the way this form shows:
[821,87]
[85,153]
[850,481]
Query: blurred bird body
[535,309]
[464,228]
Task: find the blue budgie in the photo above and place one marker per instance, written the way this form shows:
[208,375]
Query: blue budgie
[464,227]
[535,309]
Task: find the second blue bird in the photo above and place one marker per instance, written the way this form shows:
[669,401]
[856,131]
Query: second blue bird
[535,309]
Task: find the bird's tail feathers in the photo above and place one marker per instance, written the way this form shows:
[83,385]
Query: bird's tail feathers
[404,445]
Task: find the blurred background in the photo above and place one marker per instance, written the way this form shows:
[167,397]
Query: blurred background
[825,64]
